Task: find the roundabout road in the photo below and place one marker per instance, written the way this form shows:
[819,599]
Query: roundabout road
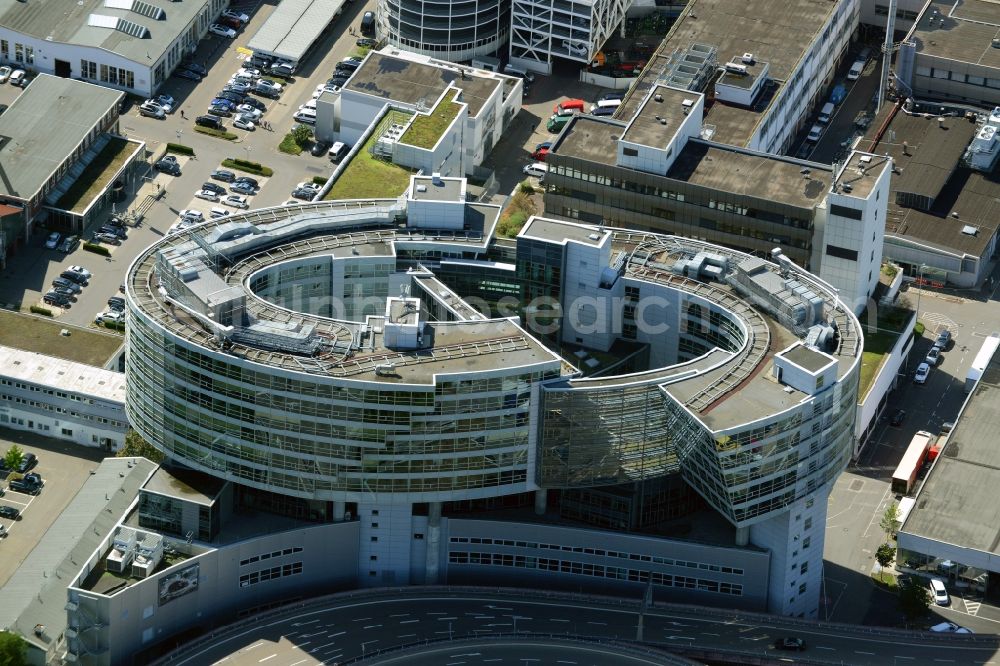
[348,626]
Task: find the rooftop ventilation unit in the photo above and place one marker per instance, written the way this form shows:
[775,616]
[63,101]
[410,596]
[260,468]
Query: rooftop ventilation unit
[747,58]
[736,68]
[421,188]
[436,178]
[594,236]
[385,370]
[688,103]
[970,230]
[658,98]
[847,187]
[865,159]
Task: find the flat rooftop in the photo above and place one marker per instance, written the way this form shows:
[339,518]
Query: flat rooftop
[407,81]
[957,503]
[294,26]
[861,172]
[740,80]
[974,196]
[61,374]
[769,177]
[733,124]
[185,484]
[659,118]
[35,144]
[69,23]
[961,30]
[561,232]
[591,138]
[775,31]
[806,358]
[437,189]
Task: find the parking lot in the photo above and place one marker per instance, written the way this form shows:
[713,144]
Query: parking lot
[64,468]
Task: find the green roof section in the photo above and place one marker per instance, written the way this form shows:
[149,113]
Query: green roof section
[98,174]
[890,323]
[426,131]
[44,336]
[44,126]
[369,177]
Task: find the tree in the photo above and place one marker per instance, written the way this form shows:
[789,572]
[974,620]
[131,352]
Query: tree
[137,447]
[13,650]
[302,134]
[914,598]
[13,457]
[884,556]
[890,520]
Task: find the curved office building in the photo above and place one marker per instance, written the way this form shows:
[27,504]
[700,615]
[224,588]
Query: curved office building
[642,388]
[454,30]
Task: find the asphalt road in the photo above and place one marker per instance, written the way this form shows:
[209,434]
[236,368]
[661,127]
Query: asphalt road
[520,652]
[330,631]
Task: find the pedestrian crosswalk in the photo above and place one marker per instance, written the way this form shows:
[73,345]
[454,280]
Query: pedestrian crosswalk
[932,319]
[972,607]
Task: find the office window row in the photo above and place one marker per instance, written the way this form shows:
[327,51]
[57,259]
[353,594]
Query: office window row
[600,552]
[273,573]
[59,410]
[958,77]
[267,556]
[595,570]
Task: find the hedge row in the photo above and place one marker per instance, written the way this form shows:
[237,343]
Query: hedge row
[180,149]
[97,249]
[211,131]
[250,167]
[39,310]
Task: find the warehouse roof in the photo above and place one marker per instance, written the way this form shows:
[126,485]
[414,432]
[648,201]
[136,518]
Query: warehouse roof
[61,374]
[35,144]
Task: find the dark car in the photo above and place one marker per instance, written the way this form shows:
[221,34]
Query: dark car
[790,643]
[221,111]
[208,121]
[366,42]
[252,182]
[224,175]
[212,187]
[240,187]
[73,276]
[9,512]
[34,478]
[319,148]
[54,298]
[187,74]
[222,101]
[67,284]
[230,96]
[231,22]
[28,462]
[199,69]
[282,70]
[897,418]
[68,293]
[22,486]
[255,103]
[114,231]
[106,238]
[304,193]
[168,167]
[116,303]
[338,81]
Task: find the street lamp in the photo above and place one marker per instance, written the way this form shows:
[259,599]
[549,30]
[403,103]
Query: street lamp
[920,283]
[247,148]
[179,132]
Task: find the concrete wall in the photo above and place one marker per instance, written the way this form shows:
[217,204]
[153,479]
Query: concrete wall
[578,545]
[136,618]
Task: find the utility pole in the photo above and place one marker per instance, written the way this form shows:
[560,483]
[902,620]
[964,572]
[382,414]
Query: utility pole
[890,29]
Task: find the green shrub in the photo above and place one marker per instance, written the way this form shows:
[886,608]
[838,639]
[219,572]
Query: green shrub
[180,149]
[320,180]
[289,145]
[115,325]
[211,131]
[39,310]
[249,167]
[526,188]
[97,249]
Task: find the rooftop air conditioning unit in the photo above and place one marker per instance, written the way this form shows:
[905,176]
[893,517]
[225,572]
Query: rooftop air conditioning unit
[747,58]
[736,68]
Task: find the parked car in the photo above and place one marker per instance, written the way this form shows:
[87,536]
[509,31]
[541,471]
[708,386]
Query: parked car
[306,194]
[943,340]
[539,154]
[52,242]
[322,88]
[28,462]
[251,111]
[255,103]
[222,31]
[238,86]
[920,377]
[951,628]
[106,238]
[283,70]
[307,116]
[219,190]
[55,298]
[23,486]
[230,22]
[239,16]
[252,182]
[236,201]
[231,96]
[308,185]
[112,316]
[169,167]
[35,478]
[195,67]
[116,303]
[856,69]
[244,122]
[207,195]
[18,78]
[240,187]
[167,102]
[223,102]
[939,592]
[75,276]
[192,215]
[268,88]
[247,70]
[208,121]
[80,270]
[67,284]
[187,74]
[217,213]
[220,111]
[151,109]
[224,175]
[5,73]
[933,356]
[9,512]
[319,148]
[790,643]
[898,417]
[69,244]
[114,231]
[815,132]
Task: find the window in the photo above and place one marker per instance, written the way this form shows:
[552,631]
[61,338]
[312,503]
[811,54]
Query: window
[804,568]
[805,542]
[802,588]
[18,52]
[841,253]
[630,152]
[67,432]
[809,523]
[4,48]
[845,211]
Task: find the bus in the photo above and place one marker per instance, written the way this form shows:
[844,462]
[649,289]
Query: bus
[916,453]
[981,361]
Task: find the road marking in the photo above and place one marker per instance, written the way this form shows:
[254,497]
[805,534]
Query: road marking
[447,618]
[371,626]
[408,621]
[302,624]
[261,661]
[406,636]
[600,623]
[339,633]
[362,619]
[320,647]
[300,661]
[454,663]
[557,619]
[870,654]
[709,633]
[901,657]
[434,613]
[823,647]
[562,661]
[947,661]
[679,638]
[399,615]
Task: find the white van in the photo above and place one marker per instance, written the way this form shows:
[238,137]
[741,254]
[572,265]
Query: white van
[856,69]
[307,116]
[338,151]
[610,104]
[814,133]
[826,113]
[511,70]
[538,169]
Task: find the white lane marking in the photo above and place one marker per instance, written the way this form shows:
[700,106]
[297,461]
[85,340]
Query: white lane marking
[261,661]
[557,619]
[600,623]
[896,656]
[447,618]
[399,615]
[339,633]
[406,636]
[823,647]
[362,619]
[870,654]
[371,626]
[300,661]
[709,633]
[408,621]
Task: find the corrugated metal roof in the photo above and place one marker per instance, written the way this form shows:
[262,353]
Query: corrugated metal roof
[293,27]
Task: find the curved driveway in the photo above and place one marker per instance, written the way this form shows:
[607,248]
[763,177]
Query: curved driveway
[352,625]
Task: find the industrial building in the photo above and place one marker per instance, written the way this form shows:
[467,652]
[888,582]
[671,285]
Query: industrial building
[130,45]
[653,410]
